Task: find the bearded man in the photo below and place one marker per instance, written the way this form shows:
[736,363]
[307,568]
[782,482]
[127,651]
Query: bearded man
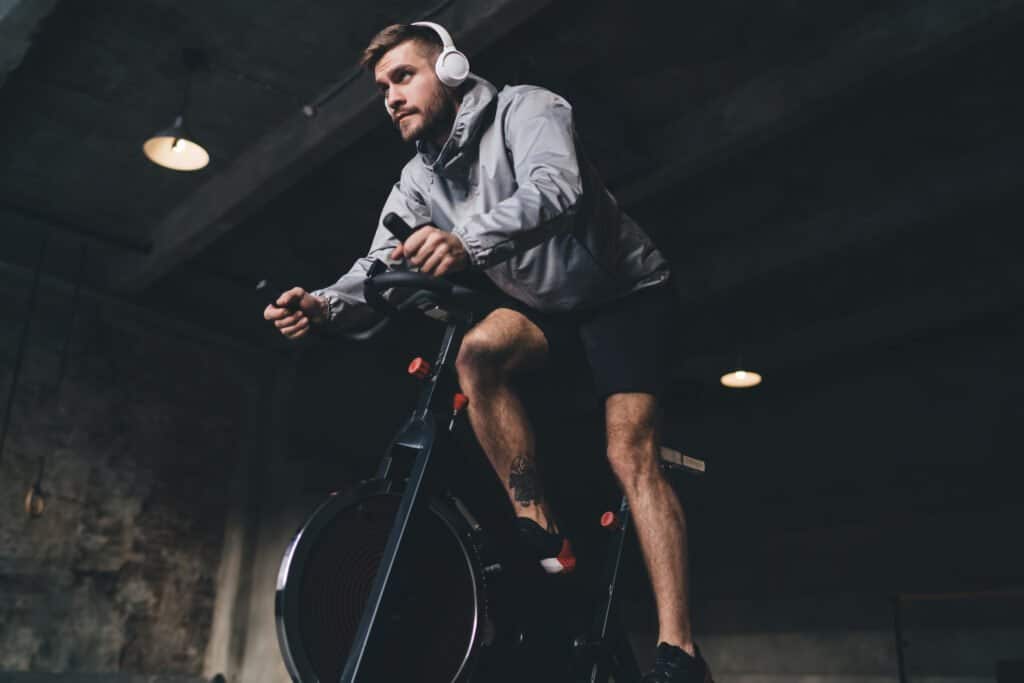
[499,185]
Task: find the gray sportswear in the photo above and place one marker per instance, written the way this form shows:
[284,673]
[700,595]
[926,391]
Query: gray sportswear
[511,184]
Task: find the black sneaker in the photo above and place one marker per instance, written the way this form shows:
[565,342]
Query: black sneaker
[553,550]
[674,665]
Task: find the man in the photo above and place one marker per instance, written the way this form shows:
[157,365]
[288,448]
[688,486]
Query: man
[499,186]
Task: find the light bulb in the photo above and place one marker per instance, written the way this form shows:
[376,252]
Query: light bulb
[740,379]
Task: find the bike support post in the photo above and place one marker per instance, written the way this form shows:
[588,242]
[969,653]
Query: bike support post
[420,433]
[606,638]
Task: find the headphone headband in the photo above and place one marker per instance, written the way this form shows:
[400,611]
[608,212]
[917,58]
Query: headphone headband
[452,66]
[442,33]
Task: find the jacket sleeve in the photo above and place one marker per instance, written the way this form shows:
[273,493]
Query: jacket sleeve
[540,139]
[347,307]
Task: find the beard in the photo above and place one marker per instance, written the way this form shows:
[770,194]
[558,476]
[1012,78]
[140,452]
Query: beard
[432,122]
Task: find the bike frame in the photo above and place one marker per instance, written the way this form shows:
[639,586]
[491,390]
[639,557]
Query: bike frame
[423,435]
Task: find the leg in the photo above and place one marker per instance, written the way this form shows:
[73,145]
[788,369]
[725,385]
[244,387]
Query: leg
[633,451]
[502,344]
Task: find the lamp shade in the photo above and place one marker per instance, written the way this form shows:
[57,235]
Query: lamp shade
[741,379]
[174,148]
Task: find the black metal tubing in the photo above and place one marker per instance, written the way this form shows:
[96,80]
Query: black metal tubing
[605,635]
[421,433]
[375,285]
[427,431]
[412,434]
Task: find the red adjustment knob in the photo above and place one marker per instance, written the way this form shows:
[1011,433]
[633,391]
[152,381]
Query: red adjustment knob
[419,368]
[459,402]
[608,520]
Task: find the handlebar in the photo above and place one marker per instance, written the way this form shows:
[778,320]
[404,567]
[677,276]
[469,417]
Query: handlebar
[375,284]
[431,292]
[378,279]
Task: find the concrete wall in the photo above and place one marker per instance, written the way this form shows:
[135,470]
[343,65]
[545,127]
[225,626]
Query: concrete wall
[141,426]
[179,465]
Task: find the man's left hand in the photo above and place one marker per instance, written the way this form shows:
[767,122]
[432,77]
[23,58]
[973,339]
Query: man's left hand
[435,251]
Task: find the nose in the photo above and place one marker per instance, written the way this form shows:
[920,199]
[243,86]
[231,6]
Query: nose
[394,99]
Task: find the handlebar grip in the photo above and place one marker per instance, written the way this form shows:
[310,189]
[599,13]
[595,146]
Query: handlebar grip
[397,227]
[270,292]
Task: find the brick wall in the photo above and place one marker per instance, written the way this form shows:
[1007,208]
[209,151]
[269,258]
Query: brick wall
[140,433]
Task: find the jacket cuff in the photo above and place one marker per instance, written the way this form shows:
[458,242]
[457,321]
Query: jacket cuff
[333,303]
[476,251]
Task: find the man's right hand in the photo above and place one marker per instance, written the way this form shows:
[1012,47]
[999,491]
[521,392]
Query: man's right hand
[294,311]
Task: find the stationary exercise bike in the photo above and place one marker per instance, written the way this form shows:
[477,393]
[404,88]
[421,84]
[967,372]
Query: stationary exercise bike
[401,580]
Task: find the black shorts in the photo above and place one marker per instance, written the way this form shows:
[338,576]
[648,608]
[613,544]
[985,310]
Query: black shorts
[625,345]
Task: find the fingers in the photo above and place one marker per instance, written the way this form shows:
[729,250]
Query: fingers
[282,309]
[431,244]
[445,267]
[415,242]
[292,322]
[297,329]
[433,250]
[290,319]
[276,313]
[437,257]
[292,295]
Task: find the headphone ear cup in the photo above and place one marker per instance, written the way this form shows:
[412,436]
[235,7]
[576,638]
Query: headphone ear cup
[452,67]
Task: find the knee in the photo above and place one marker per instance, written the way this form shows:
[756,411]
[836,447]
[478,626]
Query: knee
[633,456]
[482,359]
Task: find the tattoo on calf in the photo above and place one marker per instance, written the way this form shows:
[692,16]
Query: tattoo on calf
[523,480]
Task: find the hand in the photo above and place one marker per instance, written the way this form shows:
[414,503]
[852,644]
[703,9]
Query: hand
[435,251]
[294,311]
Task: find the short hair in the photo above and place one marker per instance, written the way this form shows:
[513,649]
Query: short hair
[393,36]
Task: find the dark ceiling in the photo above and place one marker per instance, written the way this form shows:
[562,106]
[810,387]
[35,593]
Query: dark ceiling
[833,182]
[766,147]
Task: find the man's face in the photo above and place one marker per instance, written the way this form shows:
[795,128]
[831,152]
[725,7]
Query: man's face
[419,105]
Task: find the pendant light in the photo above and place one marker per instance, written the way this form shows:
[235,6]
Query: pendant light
[740,378]
[174,147]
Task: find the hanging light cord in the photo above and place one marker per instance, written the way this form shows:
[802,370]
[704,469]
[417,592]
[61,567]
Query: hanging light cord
[22,342]
[66,351]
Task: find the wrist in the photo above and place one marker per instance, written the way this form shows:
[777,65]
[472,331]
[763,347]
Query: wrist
[323,310]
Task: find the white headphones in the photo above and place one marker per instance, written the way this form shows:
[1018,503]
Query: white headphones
[451,67]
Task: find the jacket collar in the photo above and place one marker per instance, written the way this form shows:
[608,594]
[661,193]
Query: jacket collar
[475,112]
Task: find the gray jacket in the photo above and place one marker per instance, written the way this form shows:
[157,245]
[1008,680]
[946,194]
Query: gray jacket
[511,183]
